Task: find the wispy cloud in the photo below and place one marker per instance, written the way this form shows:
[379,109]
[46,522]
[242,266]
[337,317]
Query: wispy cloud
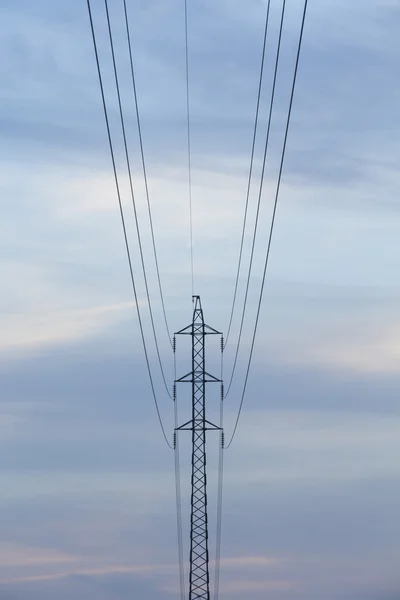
[54,327]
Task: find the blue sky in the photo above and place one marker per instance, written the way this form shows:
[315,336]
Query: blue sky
[312,481]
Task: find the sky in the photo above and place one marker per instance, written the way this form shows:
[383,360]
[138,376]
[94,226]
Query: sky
[312,481]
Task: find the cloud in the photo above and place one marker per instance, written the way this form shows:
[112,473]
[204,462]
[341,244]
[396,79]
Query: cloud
[344,347]
[92,572]
[60,327]
[248,561]
[12,556]
[240,587]
[320,445]
[379,354]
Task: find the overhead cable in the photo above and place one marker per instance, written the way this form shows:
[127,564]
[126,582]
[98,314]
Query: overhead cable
[272,221]
[220,482]
[189,149]
[123,224]
[145,170]
[250,172]
[271,106]
[128,164]
[178,486]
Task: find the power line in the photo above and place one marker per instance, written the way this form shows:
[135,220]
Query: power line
[250,172]
[123,223]
[178,485]
[220,482]
[189,146]
[273,219]
[259,197]
[133,196]
[145,171]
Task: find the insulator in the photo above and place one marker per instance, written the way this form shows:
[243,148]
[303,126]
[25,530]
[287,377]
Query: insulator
[222,439]
[222,391]
[174,344]
[174,392]
[222,343]
[174,442]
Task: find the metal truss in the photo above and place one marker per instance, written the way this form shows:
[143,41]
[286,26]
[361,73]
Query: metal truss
[199,578]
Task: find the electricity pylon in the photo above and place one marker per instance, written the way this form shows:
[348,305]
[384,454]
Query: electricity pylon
[199,577]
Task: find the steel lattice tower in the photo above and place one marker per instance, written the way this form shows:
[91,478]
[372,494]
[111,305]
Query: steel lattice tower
[199,578]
